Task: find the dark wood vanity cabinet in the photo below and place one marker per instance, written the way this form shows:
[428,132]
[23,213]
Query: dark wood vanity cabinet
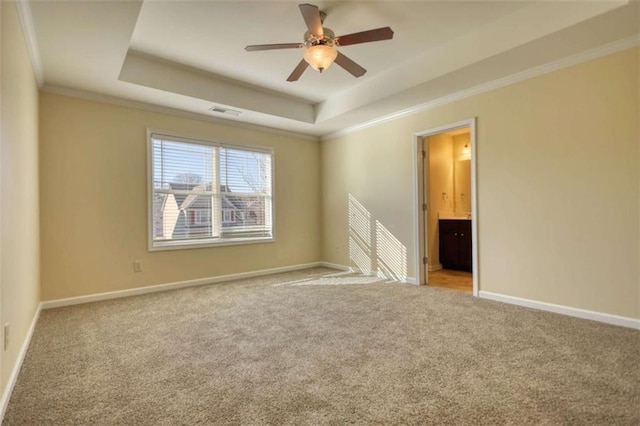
[455,244]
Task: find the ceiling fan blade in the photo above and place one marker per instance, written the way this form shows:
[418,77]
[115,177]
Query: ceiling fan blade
[297,72]
[256,47]
[366,36]
[346,63]
[311,15]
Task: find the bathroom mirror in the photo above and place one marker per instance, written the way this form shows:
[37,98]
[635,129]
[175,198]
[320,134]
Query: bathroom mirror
[462,187]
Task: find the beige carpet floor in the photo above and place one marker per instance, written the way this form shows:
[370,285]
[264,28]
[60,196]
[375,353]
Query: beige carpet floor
[307,348]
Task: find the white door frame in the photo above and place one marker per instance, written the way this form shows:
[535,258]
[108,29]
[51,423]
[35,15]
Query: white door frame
[418,222]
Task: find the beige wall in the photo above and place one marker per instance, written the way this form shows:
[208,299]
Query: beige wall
[19,242]
[440,182]
[558,184]
[94,201]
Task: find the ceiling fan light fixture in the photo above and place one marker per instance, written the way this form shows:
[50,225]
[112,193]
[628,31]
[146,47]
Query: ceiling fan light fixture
[320,56]
[319,43]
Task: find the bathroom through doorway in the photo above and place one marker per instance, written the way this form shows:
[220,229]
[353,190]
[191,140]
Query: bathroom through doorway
[447,225]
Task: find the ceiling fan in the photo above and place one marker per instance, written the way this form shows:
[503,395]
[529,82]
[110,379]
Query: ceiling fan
[320,44]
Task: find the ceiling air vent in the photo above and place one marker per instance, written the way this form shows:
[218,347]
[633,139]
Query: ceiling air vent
[223,110]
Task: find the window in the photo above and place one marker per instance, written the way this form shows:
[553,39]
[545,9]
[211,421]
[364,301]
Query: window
[204,193]
[228,216]
[201,217]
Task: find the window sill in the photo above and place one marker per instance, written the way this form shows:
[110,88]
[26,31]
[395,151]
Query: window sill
[183,245]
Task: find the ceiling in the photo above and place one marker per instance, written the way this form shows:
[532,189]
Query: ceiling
[189,55]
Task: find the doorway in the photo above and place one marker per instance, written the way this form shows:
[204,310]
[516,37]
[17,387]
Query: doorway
[446,206]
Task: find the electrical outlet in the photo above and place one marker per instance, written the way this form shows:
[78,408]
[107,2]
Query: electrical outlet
[137,266]
[5,333]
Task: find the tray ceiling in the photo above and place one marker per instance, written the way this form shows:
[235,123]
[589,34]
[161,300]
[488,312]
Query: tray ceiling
[190,56]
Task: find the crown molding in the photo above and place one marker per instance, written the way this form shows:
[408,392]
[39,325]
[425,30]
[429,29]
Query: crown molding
[566,62]
[26,21]
[96,97]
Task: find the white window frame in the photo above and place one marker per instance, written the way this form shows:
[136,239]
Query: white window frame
[204,242]
[197,217]
[230,214]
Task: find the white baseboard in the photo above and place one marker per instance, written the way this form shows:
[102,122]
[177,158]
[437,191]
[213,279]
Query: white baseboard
[8,390]
[565,310]
[176,285]
[336,266]
[432,268]
[356,270]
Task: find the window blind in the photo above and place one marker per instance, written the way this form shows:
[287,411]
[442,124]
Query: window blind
[205,193]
